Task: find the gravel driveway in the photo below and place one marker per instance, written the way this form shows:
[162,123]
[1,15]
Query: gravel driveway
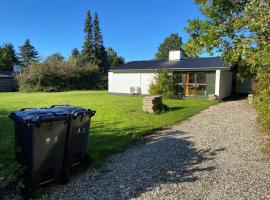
[213,155]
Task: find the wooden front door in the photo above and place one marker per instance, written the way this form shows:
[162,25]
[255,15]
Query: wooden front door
[186,85]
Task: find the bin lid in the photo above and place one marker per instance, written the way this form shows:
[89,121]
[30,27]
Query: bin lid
[73,111]
[37,115]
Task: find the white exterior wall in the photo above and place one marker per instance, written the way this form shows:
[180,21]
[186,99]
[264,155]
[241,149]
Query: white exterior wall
[223,85]
[122,82]
[217,83]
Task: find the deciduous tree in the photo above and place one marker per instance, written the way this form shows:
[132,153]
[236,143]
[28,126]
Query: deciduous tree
[239,29]
[172,42]
[113,59]
[55,58]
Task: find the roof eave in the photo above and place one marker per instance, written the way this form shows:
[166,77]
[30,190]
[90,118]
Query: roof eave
[173,69]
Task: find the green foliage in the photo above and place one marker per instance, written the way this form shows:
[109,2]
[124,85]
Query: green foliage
[7,57]
[87,54]
[240,30]
[75,53]
[28,54]
[172,42]
[93,51]
[99,49]
[56,75]
[162,84]
[263,98]
[113,59]
[55,58]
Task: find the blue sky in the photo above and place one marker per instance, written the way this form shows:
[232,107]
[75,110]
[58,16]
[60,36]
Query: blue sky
[133,28]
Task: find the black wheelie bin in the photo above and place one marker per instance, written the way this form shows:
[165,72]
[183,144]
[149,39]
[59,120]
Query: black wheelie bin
[77,137]
[40,145]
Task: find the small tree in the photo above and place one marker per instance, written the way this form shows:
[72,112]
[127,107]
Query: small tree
[172,42]
[28,54]
[162,84]
[55,58]
[75,53]
[113,59]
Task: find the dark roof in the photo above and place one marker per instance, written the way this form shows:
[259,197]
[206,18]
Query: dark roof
[6,73]
[187,63]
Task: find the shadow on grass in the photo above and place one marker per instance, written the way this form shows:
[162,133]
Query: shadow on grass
[109,138]
[6,138]
[175,108]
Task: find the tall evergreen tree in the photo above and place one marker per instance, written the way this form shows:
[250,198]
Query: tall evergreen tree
[28,54]
[99,49]
[88,47]
[7,57]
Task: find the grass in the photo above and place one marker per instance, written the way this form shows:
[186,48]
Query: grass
[118,123]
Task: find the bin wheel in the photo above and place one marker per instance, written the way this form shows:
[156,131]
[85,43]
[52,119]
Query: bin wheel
[65,175]
[26,190]
[87,160]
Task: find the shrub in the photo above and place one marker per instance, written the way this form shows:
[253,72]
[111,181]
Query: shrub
[59,76]
[162,84]
[262,101]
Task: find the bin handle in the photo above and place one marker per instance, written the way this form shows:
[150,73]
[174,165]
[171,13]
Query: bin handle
[58,105]
[23,109]
[92,112]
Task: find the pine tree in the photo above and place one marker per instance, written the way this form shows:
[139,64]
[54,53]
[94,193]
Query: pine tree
[75,53]
[88,48]
[99,49]
[8,57]
[28,54]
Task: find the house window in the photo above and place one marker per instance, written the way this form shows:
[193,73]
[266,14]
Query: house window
[179,83]
[195,84]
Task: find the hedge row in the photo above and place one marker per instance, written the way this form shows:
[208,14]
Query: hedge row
[61,76]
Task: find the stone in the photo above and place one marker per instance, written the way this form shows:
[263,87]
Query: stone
[212,97]
[152,103]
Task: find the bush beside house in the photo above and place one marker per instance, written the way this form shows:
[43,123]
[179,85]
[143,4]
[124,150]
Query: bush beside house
[162,85]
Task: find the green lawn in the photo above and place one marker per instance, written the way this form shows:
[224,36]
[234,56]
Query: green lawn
[119,120]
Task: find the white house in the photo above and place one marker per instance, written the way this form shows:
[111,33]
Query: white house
[192,76]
